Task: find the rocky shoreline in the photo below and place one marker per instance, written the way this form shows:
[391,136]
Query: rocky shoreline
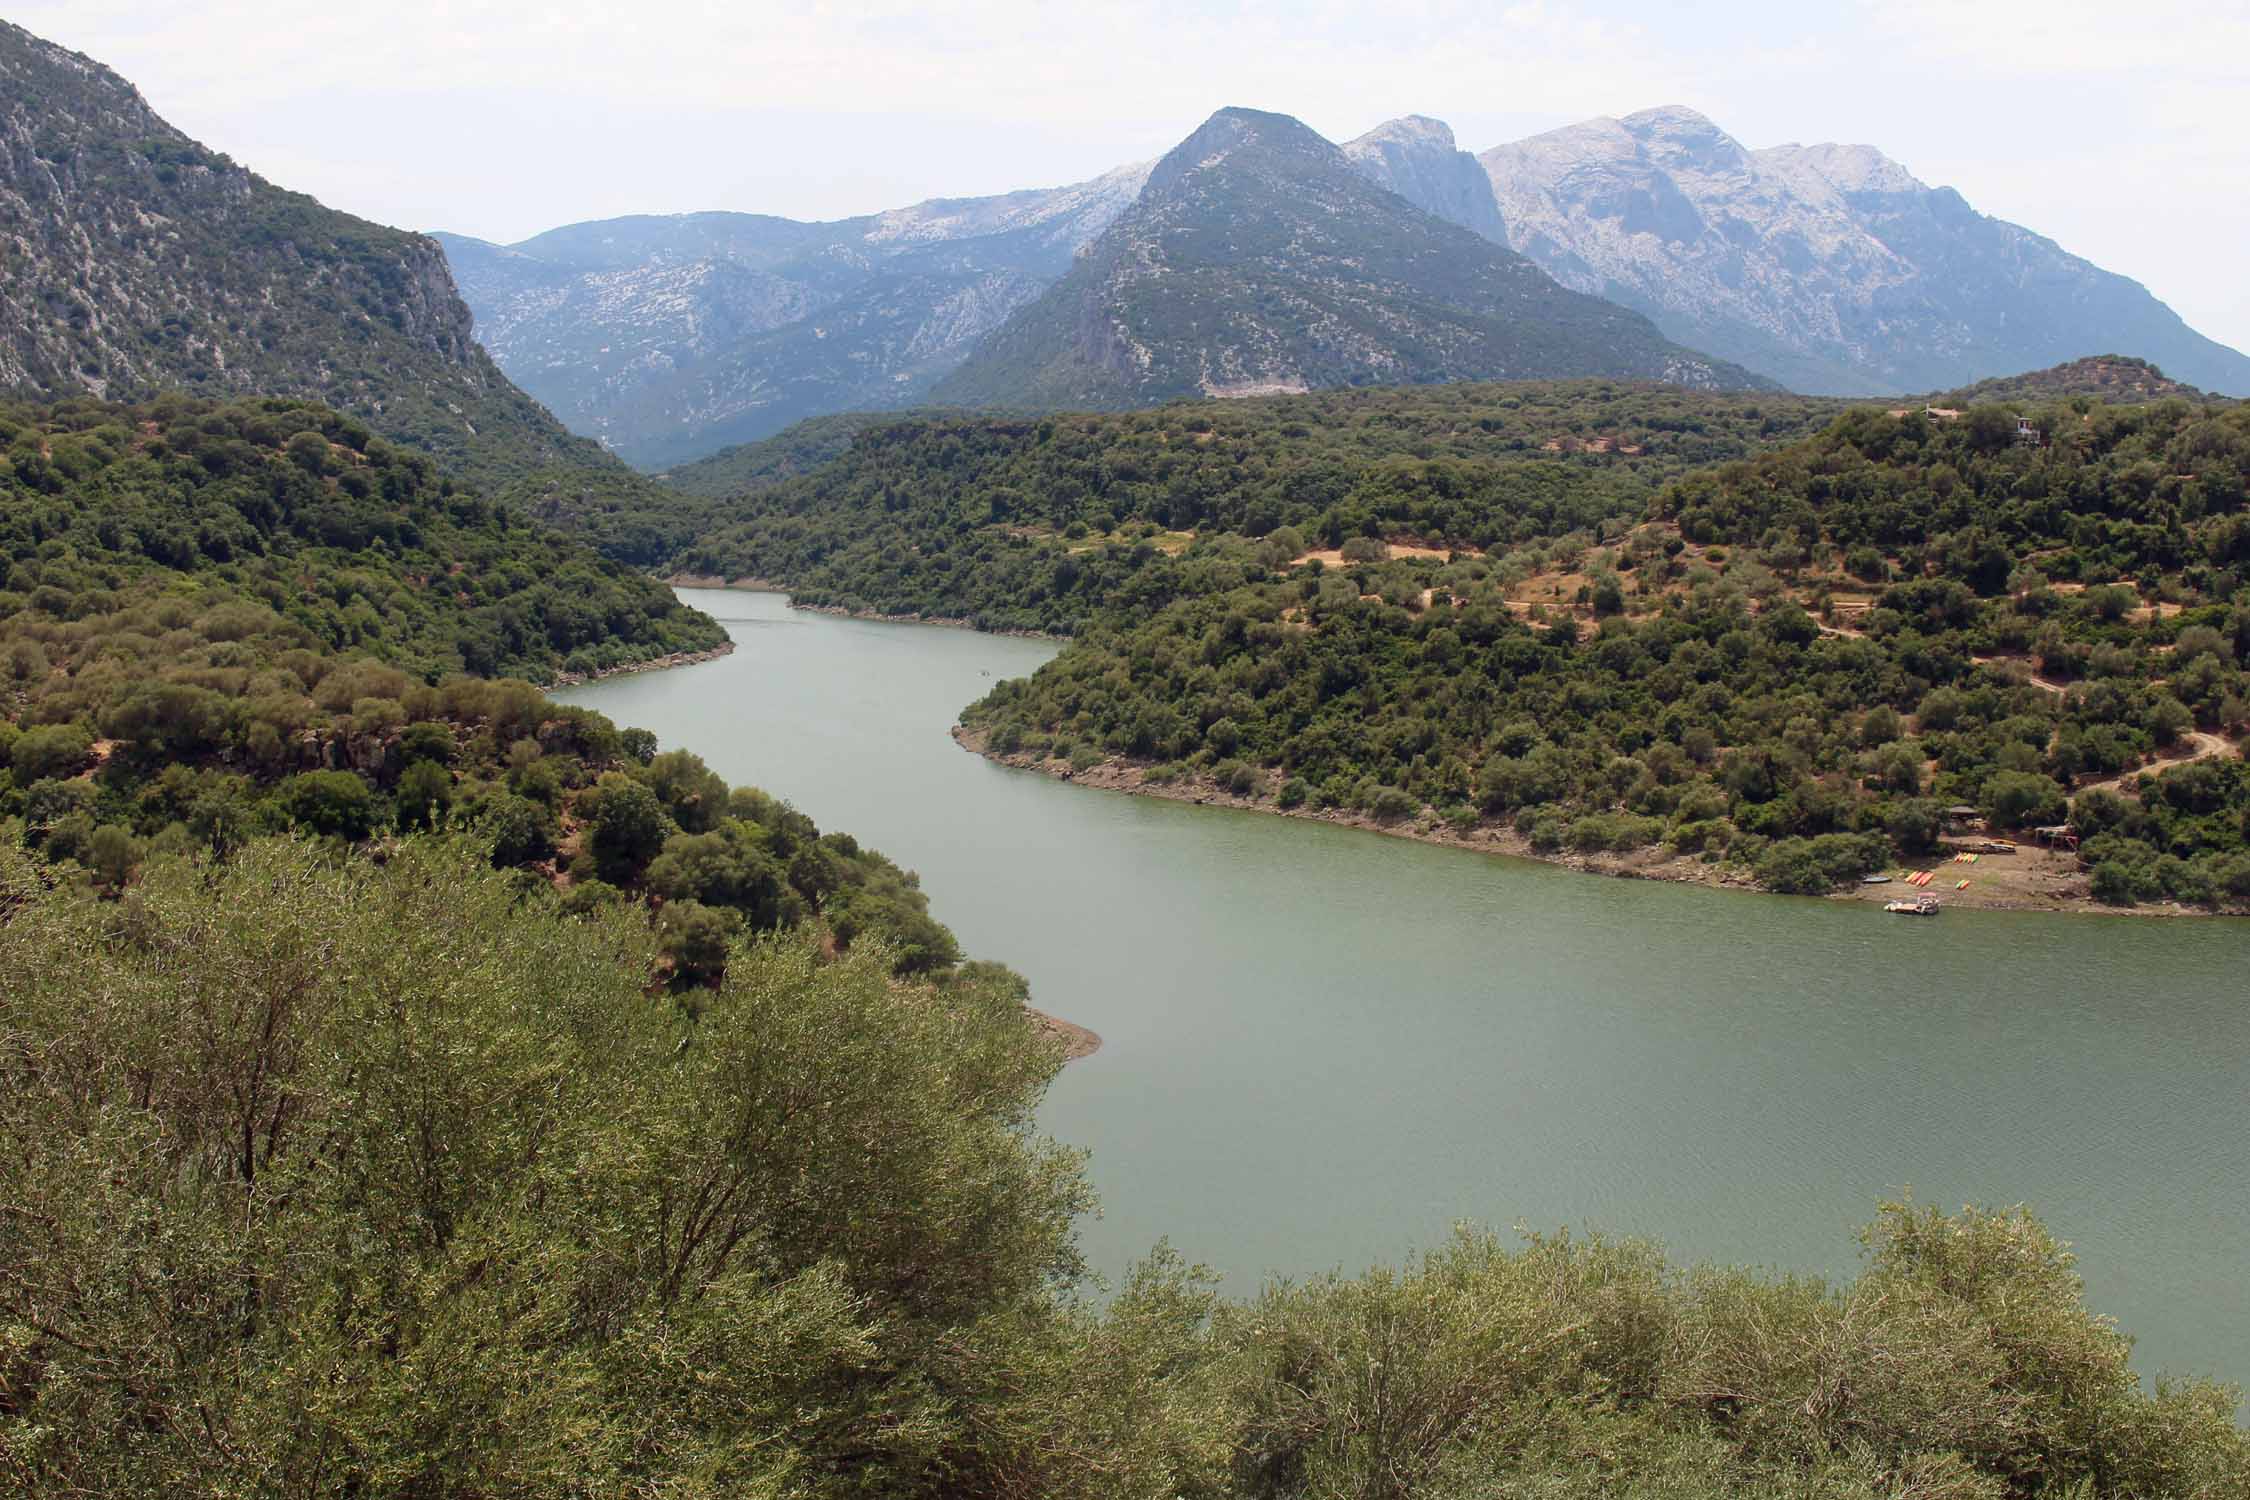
[2040,882]
[1077,1041]
[653,664]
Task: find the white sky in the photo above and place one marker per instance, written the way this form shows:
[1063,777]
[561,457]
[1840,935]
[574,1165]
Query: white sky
[2117,129]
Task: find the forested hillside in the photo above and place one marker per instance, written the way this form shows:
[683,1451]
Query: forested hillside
[1044,523]
[226,621]
[306,518]
[1792,662]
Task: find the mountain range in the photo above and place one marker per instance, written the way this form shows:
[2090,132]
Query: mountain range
[1258,261]
[1255,256]
[1827,269]
[668,337]
[1830,268]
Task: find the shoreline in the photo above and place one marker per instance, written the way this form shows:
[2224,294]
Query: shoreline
[768,586]
[2047,882]
[1077,1041]
[653,664]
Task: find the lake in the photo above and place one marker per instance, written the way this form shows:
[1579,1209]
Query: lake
[1321,1047]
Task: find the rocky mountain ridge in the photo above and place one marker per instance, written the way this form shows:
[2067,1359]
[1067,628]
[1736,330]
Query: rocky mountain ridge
[1827,268]
[1830,268]
[1259,260]
[1415,157]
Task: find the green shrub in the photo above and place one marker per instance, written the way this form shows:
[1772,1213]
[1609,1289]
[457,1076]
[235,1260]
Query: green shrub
[50,751]
[1389,804]
[1815,866]
[335,803]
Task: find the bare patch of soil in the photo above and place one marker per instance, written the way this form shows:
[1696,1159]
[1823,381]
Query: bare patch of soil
[1077,1041]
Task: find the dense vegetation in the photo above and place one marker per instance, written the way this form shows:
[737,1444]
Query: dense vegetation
[342,1178]
[156,730]
[799,449]
[301,515]
[1795,663]
[2117,379]
[1048,523]
[222,621]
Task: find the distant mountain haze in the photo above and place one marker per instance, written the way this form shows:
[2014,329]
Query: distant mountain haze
[669,337]
[1256,256]
[1829,268]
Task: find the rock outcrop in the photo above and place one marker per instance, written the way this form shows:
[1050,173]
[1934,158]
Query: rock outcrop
[1415,157]
[1829,268]
[136,260]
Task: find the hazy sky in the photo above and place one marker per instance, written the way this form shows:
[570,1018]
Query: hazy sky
[2120,130]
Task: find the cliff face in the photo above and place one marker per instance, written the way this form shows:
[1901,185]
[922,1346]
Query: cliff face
[1829,268]
[1415,157]
[1259,259]
[137,260]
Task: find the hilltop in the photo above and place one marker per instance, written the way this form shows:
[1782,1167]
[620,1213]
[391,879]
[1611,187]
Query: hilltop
[2112,378]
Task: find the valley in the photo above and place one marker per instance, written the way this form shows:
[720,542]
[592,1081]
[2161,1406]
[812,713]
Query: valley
[1267,989]
[429,1065]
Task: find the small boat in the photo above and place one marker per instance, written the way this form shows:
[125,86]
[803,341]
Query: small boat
[1874,880]
[1920,906]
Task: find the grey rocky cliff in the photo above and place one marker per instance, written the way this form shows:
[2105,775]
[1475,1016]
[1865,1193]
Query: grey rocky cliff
[1829,267]
[1415,157]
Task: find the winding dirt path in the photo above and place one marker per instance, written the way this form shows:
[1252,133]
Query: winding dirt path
[2044,684]
[2206,746]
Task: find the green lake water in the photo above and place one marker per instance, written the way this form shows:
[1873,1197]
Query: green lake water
[1322,1047]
